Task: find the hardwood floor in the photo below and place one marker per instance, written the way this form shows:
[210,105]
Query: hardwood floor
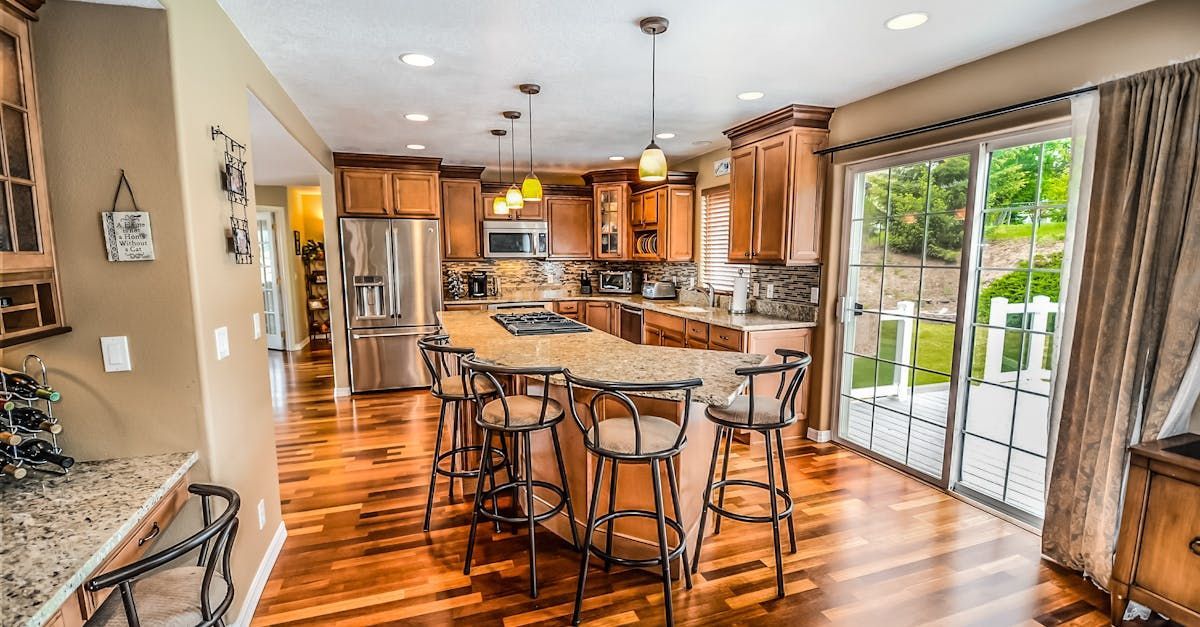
[875,547]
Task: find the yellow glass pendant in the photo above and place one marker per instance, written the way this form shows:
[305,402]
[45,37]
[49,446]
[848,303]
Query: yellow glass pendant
[653,164]
[531,189]
[513,198]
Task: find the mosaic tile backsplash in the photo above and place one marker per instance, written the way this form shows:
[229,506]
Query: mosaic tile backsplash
[793,285]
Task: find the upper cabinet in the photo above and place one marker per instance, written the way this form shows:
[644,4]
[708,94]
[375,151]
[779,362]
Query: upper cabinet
[529,211]
[643,222]
[30,306]
[570,227]
[775,186]
[462,218]
[387,186]
[611,231]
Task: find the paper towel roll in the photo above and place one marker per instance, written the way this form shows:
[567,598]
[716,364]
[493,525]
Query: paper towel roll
[741,294]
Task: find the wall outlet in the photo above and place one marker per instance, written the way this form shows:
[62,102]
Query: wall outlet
[257,325]
[770,290]
[754,289]
[262,514]
[221,335]
[115,350]
[814,295]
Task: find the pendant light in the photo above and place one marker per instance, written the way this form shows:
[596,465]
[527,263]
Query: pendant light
[531,188]
[513,197]
[499,204]
[653,164]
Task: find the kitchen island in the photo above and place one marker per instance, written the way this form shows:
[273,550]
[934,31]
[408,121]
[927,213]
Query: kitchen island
[599,355]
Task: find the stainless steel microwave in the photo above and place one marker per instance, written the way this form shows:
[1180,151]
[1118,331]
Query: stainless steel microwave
[620,282]
[504,239]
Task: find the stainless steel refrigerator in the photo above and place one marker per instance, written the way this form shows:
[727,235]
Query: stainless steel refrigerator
[393,292]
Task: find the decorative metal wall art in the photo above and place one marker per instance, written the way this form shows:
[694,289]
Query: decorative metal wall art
[233,181]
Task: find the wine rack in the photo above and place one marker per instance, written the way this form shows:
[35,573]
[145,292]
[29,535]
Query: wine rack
[15,462]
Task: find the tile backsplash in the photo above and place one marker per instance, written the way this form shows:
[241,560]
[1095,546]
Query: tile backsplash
[792,285]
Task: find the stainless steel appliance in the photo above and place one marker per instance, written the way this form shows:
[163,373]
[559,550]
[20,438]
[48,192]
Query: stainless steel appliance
[477,284]
[539,323]
[393,291]
[620,281]
[525,305]
[631,324]
[510,238]
[658,289]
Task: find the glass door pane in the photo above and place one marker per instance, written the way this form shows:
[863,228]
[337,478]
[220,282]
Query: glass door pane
[1021,238]
[900,337]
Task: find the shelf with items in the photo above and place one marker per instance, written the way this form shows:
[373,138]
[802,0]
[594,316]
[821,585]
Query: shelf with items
[28,428]
[29,307]
[316,290]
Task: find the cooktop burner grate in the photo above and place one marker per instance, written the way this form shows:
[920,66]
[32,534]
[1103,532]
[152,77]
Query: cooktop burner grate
[539,323]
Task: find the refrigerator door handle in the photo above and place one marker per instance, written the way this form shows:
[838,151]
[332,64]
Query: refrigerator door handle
[393,292]
[367,336]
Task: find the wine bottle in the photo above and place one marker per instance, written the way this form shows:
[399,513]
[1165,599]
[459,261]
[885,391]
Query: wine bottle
[9,438]
[26,386]
[10,466]
[33,419]
[41,452]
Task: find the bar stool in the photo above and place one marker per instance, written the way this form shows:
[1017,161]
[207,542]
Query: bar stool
[516,416]
[766,415]
[635,439]
[444,363]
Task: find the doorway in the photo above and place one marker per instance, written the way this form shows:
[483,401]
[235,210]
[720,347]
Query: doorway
[269,275]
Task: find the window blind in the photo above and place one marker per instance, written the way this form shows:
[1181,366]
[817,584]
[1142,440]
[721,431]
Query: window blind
[714,240]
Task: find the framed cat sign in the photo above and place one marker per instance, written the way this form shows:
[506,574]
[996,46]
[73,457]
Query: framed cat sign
[127,234]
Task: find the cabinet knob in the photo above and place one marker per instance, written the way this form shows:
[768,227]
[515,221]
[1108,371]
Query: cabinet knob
[1194,545]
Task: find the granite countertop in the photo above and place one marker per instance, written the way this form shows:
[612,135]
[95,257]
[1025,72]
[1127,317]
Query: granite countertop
[55,531]
[711,315]
[598,355]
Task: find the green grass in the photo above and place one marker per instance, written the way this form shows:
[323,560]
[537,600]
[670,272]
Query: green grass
[1046,231]
[935,349]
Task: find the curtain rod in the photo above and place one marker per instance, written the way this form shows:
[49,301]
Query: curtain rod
[1029,104]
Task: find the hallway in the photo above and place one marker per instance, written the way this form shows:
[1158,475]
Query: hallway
[874,546]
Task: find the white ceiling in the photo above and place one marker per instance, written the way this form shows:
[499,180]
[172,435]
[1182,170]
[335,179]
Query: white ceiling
[276,157]
[338,60]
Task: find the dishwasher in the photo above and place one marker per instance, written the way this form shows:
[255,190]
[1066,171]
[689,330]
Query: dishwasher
[631,324]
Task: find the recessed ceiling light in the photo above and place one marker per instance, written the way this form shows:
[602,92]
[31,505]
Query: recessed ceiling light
[701,142]
[907,21]
[415,147]
[416,117]
[665,135]
[750,95]
[417,60]
[616,158]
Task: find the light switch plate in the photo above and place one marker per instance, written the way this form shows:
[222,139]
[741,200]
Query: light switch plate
[257,325]
[262,514]
[754,289]
[770,290]
[814,295]
[115,350]
[222,337]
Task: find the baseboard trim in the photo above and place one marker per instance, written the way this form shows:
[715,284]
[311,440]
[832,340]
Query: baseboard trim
[339,392]
[299,345]
[820,436]
[254,592]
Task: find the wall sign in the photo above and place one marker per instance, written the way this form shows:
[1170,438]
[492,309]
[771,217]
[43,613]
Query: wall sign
[721,167]
[296,241]
[127,234]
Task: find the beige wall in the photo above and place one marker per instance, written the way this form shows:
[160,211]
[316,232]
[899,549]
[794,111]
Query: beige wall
[272,195]
[1142,38]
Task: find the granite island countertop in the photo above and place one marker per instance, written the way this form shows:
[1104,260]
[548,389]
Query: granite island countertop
[598,355]
[710,315]
[55,531]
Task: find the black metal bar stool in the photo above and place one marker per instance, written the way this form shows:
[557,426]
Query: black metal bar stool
[766,415]
[444,363]
[516,416]
[634,439]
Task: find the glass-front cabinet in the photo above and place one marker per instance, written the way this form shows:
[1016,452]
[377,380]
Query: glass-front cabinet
[611,232]
[29,301]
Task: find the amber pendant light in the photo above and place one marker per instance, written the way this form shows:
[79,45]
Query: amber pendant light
[513,197]
[653,164]
[531,188]
[499,204]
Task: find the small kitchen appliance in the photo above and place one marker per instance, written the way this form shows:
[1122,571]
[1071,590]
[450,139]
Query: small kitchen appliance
[620,282]
[478,284]
[508,239]
[585,282]
[658,290]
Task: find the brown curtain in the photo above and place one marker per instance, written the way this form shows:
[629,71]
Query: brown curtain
[1139,305]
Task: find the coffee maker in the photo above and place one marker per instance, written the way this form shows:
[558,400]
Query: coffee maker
[478,284]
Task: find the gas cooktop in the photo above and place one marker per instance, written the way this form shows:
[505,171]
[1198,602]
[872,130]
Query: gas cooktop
[539,323]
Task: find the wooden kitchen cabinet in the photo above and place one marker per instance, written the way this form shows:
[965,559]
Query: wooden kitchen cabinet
[464,307]
[415,194]
[387,186]
[462,216]
[567,308]
[662,223]
[366,192]
[697,334]
[611,228]
[776,183]
[598,315]
[570,227]
[659,329]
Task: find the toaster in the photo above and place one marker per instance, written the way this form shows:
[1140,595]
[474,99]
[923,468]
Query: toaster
[658,289]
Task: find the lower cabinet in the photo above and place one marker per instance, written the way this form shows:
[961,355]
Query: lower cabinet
[659,329]
[464,307]
[567,308]
[598,315]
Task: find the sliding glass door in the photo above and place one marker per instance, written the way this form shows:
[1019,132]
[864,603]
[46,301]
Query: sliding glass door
[957,395]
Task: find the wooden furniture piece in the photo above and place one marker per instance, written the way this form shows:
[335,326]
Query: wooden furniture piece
[463,307]
[660,329]
[316,288]
[776,183]
[569,221]
[598,314]
[387,186]
[462,213]
[612,221]
[28,266]
[567,309]
[532,210]
[1158,546]
[643,221]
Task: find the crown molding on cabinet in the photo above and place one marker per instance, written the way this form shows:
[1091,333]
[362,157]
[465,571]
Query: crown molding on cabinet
[779,120]
[389,162]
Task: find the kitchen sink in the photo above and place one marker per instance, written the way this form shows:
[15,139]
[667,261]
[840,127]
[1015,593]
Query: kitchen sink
[689,308]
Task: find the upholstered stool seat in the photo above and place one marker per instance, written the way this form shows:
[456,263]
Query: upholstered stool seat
[451,387]
[523,410]
[168,598]
[619,435]
[738,414]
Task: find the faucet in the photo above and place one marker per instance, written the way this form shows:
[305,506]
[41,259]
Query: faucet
[712,294]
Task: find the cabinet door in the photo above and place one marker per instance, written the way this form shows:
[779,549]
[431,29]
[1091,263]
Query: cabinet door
[678,227]
[462,212]
[610,223]
[570,227]
[532,211]
[366,192]
[415,194]
[741,203]
[772,198]
[597,315]
[808,186]
[1168,565]
[637,212]
[652,203]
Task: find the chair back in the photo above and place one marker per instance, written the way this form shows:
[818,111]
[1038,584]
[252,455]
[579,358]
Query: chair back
[215,542]
[481,374]
[619,392]
[791,374]
[443,360]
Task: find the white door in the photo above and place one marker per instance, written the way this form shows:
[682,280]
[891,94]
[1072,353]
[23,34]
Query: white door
[270,280]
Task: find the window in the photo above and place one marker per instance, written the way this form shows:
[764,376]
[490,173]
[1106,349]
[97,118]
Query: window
[714,240]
